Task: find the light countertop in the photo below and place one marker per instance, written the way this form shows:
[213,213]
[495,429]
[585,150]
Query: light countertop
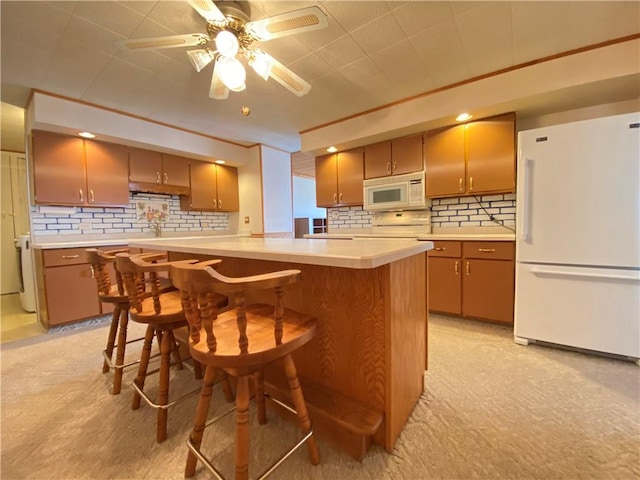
[79,241]
[348,254]
[499,237]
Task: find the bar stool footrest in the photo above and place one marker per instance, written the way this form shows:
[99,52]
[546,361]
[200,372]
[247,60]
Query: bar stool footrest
[209,466]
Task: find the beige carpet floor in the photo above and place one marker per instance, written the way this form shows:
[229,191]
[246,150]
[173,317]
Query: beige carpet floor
[491,410]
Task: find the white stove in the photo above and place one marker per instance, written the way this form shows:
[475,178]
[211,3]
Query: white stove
[407,223]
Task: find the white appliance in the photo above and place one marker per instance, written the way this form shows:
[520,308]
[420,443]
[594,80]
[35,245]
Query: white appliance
[408,224]
[397,192]
[27,293]
[578,243]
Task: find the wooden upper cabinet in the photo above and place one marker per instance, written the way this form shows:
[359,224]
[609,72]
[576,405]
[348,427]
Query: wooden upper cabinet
[445,161]
[406,155]
[471,159]
[393,157]
[227,183]
[58,169]
[339,178]
[157,172]
[214,188]
[145,166]
[350,177]
[72,171]
[491,155]
[175,170]
[377,160]
[326,180]
[106,173]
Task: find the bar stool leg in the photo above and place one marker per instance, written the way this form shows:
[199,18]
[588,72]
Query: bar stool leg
[122,343]
[301,407]
[111,339]
[202,412]
[166,347]
[143,366]
[242,428]
[260,404]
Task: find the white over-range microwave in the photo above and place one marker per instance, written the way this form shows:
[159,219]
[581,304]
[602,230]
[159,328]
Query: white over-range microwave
[398,192]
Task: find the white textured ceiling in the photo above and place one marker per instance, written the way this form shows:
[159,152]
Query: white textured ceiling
[372,54]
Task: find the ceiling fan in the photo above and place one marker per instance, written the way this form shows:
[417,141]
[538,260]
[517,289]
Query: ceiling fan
[229,29]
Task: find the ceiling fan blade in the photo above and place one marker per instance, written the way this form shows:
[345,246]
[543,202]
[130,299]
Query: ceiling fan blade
[171,41]
[209,11]
[297,21]
[217,90]
[278,72]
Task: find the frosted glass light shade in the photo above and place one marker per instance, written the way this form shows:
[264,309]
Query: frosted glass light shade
[232,73]
[200,58]
[227,44]
[261,63]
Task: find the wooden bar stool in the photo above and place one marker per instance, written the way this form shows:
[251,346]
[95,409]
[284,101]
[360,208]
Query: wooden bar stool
[242,341]
[104,270]
[162,313]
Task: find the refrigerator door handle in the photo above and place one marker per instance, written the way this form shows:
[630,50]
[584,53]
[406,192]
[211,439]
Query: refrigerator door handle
[632,276]
[526,197]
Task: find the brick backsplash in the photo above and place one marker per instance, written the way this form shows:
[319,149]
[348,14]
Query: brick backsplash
[469,212]
[117,220]
[445,212]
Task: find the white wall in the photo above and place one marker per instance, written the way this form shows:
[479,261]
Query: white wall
[250,191]
[277,195]
[304,200]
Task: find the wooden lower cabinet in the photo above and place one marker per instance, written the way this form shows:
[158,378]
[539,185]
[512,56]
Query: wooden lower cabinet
[473,279]
[67,290]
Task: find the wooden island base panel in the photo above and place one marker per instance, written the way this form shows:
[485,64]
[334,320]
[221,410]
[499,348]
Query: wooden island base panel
[363,373]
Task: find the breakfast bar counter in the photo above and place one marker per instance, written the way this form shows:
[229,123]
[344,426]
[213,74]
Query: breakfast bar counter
[364,371]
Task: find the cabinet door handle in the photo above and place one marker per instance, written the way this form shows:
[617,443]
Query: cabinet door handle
[166,178]
[157,177]
[395,166]
[340,198]
[460,185]
[69,257]
[81,195]
[487,250]
[456,268]
[439,249]
[335,198]
[470,183]
[93,275]
[215,203]
[92,197]
[468,269]
[388,167]
[219,203]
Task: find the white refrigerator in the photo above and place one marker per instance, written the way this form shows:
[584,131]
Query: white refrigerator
[578,235]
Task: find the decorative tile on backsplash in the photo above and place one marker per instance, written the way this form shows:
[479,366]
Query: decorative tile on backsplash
[445,212]
[122,220]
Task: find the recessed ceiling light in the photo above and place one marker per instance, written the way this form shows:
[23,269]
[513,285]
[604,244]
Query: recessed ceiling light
[220,162]
[87,135]
[332,149]
[463,117]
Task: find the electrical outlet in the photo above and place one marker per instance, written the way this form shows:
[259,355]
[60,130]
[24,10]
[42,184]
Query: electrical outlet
[246,220]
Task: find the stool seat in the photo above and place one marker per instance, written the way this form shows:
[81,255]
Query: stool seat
[298,330]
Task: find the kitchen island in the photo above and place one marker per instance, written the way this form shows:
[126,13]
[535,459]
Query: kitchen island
[364,371]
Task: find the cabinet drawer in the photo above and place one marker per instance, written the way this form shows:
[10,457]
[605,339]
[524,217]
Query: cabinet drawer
[489,250]
[446,249]
[64,256]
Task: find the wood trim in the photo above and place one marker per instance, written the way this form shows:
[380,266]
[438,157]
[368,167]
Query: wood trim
[14,151]
[484,76]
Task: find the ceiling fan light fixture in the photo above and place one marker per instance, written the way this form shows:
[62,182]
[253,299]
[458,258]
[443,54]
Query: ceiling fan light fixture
[200,58]
[231,73]
[227,43]
[261,63]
